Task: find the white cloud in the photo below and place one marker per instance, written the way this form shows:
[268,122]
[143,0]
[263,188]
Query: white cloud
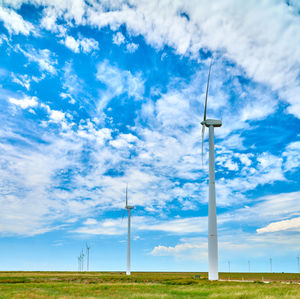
[184,251]
[245,158]
[290,224]
[116,226]
[226,25]
[118,38]
[43,57]
[72,44]
[105,227]
[25,80]
[26,102]
[118,82]
[71,10]
[89,132]
[269,56]
[292,156]
[22,80]
[180,226]
[75,88]
[14,23]
[85,45]
[48,21]
[132,47]
[90,221]
[273,208]
[268,170]
[27,174]
[55,116]
[124,141]
[88,44]
[171,142]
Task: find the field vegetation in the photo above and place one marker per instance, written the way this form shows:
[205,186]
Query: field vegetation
[147,285]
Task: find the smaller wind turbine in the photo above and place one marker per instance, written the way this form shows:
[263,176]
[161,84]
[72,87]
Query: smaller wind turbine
[87,257]
[249,266]
[298,263]
[79,263]
[128,208]
[271,265]
[82,259]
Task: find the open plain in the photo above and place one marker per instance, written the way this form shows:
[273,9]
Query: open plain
[147,285]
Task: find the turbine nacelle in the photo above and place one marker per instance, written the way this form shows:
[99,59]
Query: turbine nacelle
[212,122]
[129,207]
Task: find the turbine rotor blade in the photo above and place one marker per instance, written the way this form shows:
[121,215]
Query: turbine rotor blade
[123,215]
[203,132]
[206,96]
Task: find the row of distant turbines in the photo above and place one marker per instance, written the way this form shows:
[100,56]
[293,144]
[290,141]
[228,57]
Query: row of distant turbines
[81,259]
[271,264]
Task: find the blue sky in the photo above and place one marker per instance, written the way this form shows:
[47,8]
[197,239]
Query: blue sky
[95,95]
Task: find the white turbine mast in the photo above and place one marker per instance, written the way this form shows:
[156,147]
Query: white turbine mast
[79,263]
[82,259]
[87,257]
[128,208]
[212,214]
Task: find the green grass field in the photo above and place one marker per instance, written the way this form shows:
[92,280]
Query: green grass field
[146,285]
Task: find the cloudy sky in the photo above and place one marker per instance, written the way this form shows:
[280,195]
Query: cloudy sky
[97,94]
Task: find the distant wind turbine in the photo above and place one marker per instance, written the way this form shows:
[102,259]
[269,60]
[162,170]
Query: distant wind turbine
[298,263]
[212,214]
[87,257]
[128,208]
[82,259]
[79,263]
[271,265]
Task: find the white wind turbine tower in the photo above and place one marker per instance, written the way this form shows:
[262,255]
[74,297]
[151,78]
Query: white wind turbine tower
[87,257]
[128,208]
[82,259]
[212,213]
[79,263]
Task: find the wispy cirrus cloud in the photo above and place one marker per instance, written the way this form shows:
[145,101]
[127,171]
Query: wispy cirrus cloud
[278,69]
[43,57]
[14,23]
[118,82]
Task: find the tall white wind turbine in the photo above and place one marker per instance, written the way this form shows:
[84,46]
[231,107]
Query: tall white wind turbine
[213,273]
[128,208]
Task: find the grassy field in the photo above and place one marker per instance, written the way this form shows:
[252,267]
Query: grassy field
[146,285]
